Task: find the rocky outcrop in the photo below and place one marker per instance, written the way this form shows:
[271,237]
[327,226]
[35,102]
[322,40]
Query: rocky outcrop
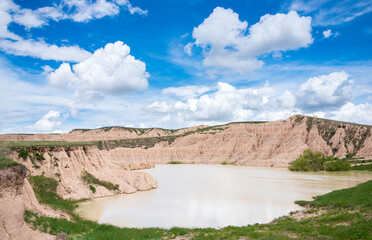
[248,143]
[67,164]
[254,144]
[15,197]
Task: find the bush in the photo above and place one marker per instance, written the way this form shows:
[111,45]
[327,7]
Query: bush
[316,161]
[39,157]
[337,165]
[92,188]
[301,164]
[23,153]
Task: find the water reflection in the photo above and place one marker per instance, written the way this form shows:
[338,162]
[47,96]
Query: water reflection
[216,196]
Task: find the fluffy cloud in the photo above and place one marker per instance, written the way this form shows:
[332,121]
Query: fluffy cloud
[327,33]
[325,96]
[43,50]
[325,91]
[109,70]
[50,122]
[227,46]
[76,10]
[227,103]
[186,91]
[361,113]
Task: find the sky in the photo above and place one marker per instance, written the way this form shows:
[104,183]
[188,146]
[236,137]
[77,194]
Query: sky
[67,64]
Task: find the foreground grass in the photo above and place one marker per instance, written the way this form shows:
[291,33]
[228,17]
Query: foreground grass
[342,214]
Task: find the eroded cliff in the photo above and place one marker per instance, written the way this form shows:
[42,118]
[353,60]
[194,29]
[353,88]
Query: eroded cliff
[67,165]
[248,143]
[253,144]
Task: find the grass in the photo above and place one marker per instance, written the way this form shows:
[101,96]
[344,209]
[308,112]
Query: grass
[356,198]
[224,163]
[46,192]
[15,144]
[5,161]
[367,167]
[175,162]
[90,179]
[345,214]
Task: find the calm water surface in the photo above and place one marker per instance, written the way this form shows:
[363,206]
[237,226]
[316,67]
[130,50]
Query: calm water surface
[216,196]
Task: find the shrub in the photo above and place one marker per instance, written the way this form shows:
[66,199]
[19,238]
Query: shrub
[316,161]
[23,153]
[350,155]
[92,188]
[224,163]
[39,156]
[337,165]
[301,164]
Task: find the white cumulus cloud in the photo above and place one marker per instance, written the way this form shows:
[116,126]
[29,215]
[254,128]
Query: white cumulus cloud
[109,70]
[229,44]
[325,91]
[361,113]
[50,122]
[228,103]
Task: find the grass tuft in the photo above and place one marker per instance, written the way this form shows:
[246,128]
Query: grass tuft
[90,179]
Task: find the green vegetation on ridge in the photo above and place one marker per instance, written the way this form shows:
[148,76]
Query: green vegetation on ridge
[20,144]
[5,161]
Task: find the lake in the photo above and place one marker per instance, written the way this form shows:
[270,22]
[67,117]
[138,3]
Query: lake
[216,196]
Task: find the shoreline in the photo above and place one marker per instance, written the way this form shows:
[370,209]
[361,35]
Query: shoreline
[337,208]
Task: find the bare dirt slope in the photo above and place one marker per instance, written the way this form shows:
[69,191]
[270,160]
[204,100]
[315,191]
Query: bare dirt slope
[15,197]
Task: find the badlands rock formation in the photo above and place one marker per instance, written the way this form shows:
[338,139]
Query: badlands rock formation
[249,143]
[254,144]
[67,164]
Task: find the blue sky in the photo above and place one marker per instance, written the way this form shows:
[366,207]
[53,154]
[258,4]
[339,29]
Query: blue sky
[68,64]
